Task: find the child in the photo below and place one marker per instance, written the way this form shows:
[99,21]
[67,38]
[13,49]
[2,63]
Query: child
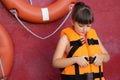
[79,52]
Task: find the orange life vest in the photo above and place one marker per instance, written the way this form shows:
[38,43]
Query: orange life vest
[90,48]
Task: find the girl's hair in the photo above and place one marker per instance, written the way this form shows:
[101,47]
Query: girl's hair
[82,13]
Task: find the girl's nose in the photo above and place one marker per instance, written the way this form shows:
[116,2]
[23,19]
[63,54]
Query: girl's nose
[84,28]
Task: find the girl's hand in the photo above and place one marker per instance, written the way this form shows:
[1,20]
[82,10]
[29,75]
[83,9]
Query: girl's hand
[99,59]
[83,39]
[81,61]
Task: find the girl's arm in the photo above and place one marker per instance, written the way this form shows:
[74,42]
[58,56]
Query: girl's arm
[105,54]
[103,57]
[58,60]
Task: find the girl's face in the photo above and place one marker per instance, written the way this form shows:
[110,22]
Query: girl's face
[81,29]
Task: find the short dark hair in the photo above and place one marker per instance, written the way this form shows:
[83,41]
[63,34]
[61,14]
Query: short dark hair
[82,13]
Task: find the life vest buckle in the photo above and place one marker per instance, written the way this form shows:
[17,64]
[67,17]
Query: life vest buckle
[89,76]
[92,59]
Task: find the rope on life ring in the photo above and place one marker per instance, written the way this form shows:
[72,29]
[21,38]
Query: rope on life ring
[14,12]
[38,14]
[6,53]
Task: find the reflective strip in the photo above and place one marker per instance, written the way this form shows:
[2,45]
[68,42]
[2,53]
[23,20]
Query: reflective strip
[45,14]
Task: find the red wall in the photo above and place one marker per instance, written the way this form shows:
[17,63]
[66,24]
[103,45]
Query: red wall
[33,56]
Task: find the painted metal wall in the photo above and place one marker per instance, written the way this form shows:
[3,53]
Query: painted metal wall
[33,56]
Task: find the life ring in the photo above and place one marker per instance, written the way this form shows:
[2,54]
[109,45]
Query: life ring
[6,53]
[38,14]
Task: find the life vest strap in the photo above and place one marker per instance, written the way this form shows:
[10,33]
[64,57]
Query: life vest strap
[92,41]
[76,44]
[76,71]
[86,76]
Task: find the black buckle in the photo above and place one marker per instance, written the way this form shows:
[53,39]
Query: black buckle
[92,59]
[90,76]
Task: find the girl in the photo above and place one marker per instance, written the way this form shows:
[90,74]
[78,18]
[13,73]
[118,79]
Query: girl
[80,53]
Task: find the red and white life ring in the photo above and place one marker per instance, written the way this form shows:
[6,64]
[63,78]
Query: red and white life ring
[6,53]
[38,14]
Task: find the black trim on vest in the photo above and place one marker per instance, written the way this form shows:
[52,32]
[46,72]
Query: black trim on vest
[92,41]
[76,44]
[86,76]
[76,71]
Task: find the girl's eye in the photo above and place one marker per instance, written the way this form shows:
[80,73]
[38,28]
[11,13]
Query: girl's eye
[80,25]
[88,25]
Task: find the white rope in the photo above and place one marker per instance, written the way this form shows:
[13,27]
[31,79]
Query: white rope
[14,12]
[2,70]
[30,2]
